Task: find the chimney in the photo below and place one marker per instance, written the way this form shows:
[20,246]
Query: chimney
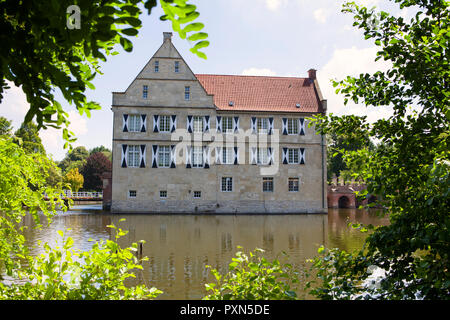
[312,74]
[167,36]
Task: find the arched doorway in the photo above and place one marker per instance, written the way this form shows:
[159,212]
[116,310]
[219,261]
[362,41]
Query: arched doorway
[344,202]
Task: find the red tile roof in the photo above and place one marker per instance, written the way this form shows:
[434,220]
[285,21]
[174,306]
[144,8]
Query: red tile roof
[261,93]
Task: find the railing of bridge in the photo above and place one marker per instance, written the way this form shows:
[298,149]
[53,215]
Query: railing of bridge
[83,195]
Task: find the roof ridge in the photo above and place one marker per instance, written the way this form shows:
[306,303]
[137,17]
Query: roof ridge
[241,75]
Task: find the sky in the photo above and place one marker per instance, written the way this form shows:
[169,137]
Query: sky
[247,37]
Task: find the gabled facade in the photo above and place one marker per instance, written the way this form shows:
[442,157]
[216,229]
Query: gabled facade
[197,143]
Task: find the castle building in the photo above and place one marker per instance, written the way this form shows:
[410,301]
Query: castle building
[205,143]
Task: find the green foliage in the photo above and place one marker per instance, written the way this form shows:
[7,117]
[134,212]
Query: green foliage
[22,185]
[65,273]
[75,158]
[41,54]
[74,179]
[252,277]
[28,136]
[5,127]
[410,170]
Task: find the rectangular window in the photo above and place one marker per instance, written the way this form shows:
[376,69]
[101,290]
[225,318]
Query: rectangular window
[267,184]
[293,184]
[228,155]
[163,156]
[227,184]
[197,157]
[145,92]
[262,156]
[156,66]
[187,93]
[197,194]
[262,125]
[163,194]
[227,125]
[134,123]
[292,126]
[164,123]
[198,124]
[134,156]
[132,193]
[293,156]
[177,66]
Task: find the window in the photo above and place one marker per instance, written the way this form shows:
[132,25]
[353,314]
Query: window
[227,124]
[227,184]
[262,125]
[134,156]
[267,184]
[134,123]
[293,156]
[293,184]
[177,66]
[132,193]
[228,155]
[197,194]
[198,124]
[197,157]
[145,92]
[156,66]
[163,194]
[292,125]
[163,156]
[164,123]
[187,93]
[262,156]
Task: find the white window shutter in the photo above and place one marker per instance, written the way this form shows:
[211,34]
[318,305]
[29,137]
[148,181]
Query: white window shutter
[218,124]
[142,155]
[125,123]
[270,155]
[154,156]
[218,155]
[236,155]
[155,123]
[189,124]
[206,124]
[284,156]
[144,123]
[124,156]
[284,128]
[188,156]
[253,155]
[270,125]
[173,123]
[301,154]
[206,157]
[172,156]
[253,124]
[301,125]
[236,124]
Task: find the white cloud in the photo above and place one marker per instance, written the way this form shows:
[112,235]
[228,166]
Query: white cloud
[273,5]
[321,15]
[350,62]
[258,72]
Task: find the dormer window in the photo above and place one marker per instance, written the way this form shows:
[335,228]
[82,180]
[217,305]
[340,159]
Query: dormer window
[145,92]
[156,66]
[177,66]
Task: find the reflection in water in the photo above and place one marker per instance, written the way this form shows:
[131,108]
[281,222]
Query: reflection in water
[179,247]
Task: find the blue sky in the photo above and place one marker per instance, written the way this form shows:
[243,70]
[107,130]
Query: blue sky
[257,37]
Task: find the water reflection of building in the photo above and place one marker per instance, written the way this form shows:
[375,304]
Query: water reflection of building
[178,260]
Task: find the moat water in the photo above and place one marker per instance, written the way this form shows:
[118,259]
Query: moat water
[179,247]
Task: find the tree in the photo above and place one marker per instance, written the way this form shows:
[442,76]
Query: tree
[92,171]
[411,169]
[48,45]
[28,135]
[338,144]
[75,158]
[107,152]
[74,179]
[5,127]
